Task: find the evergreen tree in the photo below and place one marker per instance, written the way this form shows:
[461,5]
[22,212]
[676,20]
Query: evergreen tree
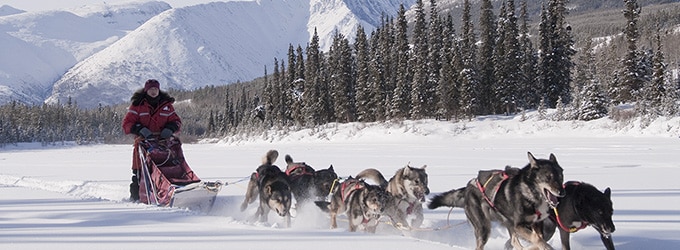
[342,89]
[528,88]
[400,105]
[364,93]
[385,68]
[631,80]
[292,66]
[324,89]
[313,99]
[507,61]
[594,103]
[419,83]
[590,103]
[471,90]
[286,99]
[643,97]
[269,100]
[656,91]
[487,39]
[447,91]
[290,88]
[434,58]
[608,59]
[297,111]
[499,74]
[376,84]
[556,51]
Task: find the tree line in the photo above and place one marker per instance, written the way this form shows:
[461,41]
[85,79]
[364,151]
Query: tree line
[426,69]
[496,68]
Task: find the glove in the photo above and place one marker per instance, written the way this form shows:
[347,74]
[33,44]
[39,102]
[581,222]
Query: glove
[166,133]
[145,132]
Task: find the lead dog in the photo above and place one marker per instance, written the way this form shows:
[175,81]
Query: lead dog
[407,188]
[363,203]
[273,188]
[518,198]
[581,206]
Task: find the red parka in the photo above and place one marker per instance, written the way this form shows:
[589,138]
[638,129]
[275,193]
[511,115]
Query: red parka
[154,118]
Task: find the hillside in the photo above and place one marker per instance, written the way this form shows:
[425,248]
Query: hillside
[44,45]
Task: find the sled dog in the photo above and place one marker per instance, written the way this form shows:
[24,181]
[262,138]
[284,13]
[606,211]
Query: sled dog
[581,206]
[363,204]
[517,198]
[308,183]
[407,188]
[273,188]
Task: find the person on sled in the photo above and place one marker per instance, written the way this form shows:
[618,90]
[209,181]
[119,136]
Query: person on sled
[151,115]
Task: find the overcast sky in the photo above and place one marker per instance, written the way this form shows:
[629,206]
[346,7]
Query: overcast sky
[39,5]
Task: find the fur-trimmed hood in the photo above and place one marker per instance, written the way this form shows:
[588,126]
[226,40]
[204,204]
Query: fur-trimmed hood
[140,95]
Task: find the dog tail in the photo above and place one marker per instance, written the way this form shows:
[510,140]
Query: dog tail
[373,175]
[451,198]
[324,205]
[270,157]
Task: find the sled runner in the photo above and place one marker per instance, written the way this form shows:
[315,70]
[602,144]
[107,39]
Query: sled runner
[167,180]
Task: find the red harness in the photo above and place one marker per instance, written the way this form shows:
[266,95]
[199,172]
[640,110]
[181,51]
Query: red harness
[584,224]
[348,187]
[409,209]
[298,166]
[483,188]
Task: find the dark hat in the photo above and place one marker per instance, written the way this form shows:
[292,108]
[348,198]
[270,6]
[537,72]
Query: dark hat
[151,83]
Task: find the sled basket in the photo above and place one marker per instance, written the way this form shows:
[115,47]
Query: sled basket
[165,173]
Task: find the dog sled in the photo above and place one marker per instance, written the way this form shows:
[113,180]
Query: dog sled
[167,180]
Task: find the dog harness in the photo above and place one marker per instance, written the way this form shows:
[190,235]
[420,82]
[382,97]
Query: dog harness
[497,185]
[348,187]
[571,229]
[302,167]
[411,206]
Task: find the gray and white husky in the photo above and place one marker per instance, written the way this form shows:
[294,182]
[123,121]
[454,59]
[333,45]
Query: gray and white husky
[520,199]
[363,204]
[407,188]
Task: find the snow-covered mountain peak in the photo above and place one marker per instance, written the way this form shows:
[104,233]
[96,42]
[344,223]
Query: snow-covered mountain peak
[6,10]
[99,54]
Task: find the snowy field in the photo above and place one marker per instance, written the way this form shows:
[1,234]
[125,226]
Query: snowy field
[73,197]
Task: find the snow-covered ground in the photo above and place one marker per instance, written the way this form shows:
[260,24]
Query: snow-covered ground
[72,197]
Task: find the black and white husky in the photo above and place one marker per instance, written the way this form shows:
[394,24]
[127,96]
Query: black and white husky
[407,188]
[583,205]
[520,199]
[307,183]
[273,188]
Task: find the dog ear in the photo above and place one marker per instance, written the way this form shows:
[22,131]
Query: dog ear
[268,190]
[553,158]
[270,157]
[608,193]
[532,160]
[331,167]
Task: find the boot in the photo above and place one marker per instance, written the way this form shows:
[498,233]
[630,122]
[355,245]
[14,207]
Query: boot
[134,188]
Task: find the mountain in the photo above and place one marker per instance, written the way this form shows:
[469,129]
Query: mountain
[211,44]
[38,47]
[99,54]
[6,10]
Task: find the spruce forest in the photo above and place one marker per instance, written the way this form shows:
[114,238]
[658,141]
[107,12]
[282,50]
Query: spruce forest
[446,63]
